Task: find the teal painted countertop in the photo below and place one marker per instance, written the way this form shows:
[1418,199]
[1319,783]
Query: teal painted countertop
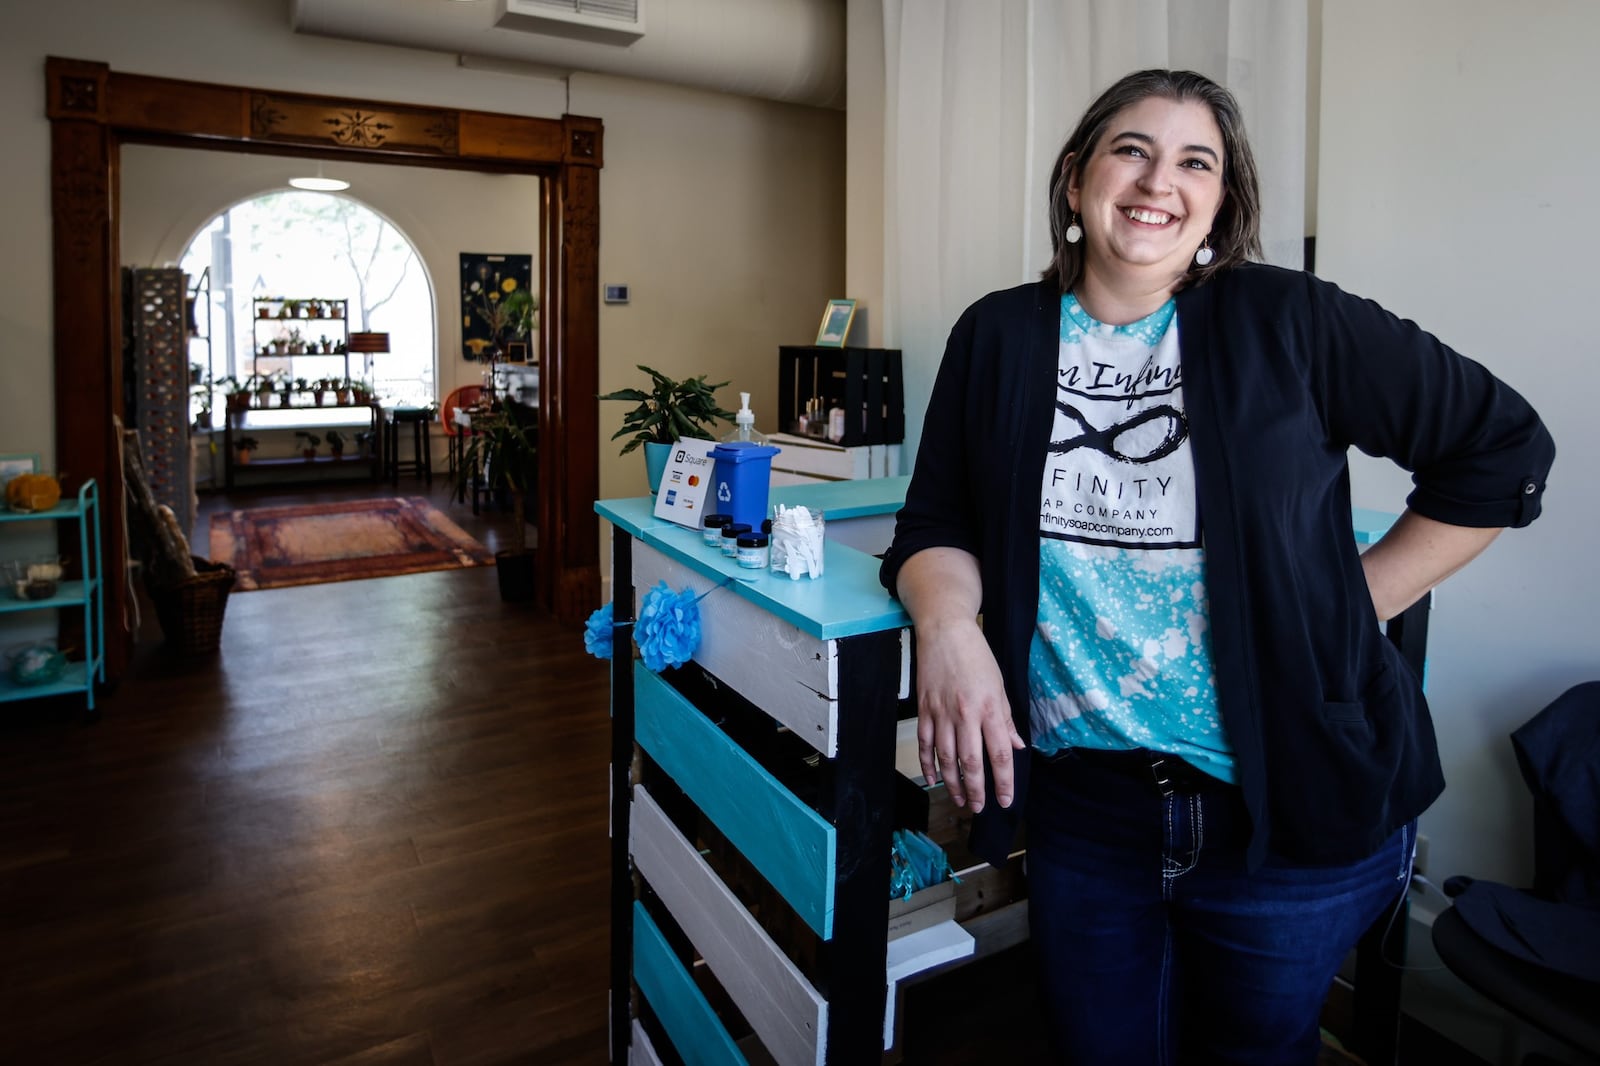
[847,599]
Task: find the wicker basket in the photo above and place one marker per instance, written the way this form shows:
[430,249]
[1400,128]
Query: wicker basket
[191,611]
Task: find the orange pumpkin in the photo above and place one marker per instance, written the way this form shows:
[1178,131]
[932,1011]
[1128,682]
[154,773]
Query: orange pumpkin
[32,492]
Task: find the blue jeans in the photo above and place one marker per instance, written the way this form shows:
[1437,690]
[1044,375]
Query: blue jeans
[1157,947]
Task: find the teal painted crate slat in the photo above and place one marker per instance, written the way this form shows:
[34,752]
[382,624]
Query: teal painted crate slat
[791,844]
[696,1031]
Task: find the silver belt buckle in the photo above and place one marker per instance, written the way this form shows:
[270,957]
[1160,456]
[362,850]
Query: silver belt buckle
[1163,782]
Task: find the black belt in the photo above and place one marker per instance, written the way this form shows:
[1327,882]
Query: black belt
[1167,775]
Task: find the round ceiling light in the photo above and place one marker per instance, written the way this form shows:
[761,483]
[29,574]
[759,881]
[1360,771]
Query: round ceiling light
[319,184]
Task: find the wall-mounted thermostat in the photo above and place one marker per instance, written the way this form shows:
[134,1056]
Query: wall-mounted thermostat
[616,294]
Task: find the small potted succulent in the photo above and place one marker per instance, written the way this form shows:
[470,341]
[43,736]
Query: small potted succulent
[336,442]
[243,447]
[308,447]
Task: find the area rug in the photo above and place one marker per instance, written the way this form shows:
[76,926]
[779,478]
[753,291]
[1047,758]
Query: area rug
[274,547]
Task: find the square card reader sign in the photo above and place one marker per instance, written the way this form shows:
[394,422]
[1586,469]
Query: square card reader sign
[684,483]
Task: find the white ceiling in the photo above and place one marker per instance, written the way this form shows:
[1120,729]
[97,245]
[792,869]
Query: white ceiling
[787,50]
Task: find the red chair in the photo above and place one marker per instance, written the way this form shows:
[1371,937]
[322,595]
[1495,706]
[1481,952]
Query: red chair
[465,396]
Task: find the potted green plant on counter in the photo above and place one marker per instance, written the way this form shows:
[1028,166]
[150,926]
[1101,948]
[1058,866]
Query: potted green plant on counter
[501,455]
[336,443]
[668,412]
[243,447]
[309,447]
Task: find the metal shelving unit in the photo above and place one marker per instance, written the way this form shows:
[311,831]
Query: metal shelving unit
[86,594]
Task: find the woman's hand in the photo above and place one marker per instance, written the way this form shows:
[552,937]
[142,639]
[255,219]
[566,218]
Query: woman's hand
[962,709]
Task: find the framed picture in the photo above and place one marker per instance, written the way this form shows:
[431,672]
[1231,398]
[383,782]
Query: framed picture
[486,279]
[835,323]
[13,465]
[517,352]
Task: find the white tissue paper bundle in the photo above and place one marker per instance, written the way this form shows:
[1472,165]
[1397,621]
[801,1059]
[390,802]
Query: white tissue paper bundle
[796,543]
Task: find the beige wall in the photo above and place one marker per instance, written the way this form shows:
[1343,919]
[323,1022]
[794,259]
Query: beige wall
[723,215]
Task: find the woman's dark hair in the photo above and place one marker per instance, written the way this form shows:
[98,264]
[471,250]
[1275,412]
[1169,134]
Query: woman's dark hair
[1236,231]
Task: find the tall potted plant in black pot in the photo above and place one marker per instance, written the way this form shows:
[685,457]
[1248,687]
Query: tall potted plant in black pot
[502,455]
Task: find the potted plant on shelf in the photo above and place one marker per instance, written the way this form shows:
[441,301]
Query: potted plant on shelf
[309,448]
[336,443]
[234,395]
[669,411]
[243,447]
[200,389]
[500,455]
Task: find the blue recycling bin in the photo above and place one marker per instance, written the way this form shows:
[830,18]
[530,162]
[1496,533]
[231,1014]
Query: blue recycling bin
[740,478]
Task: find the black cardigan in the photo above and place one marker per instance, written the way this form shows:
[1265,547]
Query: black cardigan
[1282,373]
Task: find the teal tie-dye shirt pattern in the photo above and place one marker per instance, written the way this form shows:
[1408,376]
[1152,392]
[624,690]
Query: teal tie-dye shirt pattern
[1121,654]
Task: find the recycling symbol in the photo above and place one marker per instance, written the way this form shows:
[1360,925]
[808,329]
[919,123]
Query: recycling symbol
[723,493]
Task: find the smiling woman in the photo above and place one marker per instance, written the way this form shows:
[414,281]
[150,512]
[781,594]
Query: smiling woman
[1180,681]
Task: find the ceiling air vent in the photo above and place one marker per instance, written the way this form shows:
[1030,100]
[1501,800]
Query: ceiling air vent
[606,21]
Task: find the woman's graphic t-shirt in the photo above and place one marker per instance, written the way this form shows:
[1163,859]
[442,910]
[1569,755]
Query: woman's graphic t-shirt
[1121,654]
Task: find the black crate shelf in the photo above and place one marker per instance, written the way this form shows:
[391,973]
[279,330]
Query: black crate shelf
[866,383]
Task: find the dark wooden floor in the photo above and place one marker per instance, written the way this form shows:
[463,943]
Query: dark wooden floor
[371,830]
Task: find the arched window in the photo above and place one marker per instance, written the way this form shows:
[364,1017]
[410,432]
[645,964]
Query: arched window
[316,247]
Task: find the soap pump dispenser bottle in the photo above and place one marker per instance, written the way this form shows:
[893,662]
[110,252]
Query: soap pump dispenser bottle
[742,469]
[744,424]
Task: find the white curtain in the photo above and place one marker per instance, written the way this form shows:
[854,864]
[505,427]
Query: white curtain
[979,96]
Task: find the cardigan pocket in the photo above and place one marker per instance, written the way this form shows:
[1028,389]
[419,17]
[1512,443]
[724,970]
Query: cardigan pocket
[1381,685]
[1344,712]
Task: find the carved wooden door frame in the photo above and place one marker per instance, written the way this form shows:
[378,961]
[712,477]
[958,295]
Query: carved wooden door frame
[94,110]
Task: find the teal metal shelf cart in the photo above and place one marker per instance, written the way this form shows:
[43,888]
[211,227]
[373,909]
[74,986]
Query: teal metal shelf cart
[86,594]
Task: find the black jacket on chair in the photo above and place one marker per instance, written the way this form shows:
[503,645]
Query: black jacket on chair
[1556,924]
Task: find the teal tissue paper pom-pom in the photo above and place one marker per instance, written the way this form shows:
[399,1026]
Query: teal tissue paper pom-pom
[597,631]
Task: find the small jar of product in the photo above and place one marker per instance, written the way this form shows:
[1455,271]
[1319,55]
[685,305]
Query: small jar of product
[711,529]
[730,538]
[753,551]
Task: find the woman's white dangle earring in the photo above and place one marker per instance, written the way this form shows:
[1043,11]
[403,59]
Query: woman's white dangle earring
[1203,255]
[1074,232]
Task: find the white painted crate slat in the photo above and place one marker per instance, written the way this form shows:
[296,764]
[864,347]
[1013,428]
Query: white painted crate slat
[791,675]
[782,1007]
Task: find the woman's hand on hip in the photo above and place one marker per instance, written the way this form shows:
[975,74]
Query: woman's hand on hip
[962,711]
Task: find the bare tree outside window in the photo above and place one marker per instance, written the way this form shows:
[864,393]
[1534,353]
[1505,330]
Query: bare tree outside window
[320,246]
